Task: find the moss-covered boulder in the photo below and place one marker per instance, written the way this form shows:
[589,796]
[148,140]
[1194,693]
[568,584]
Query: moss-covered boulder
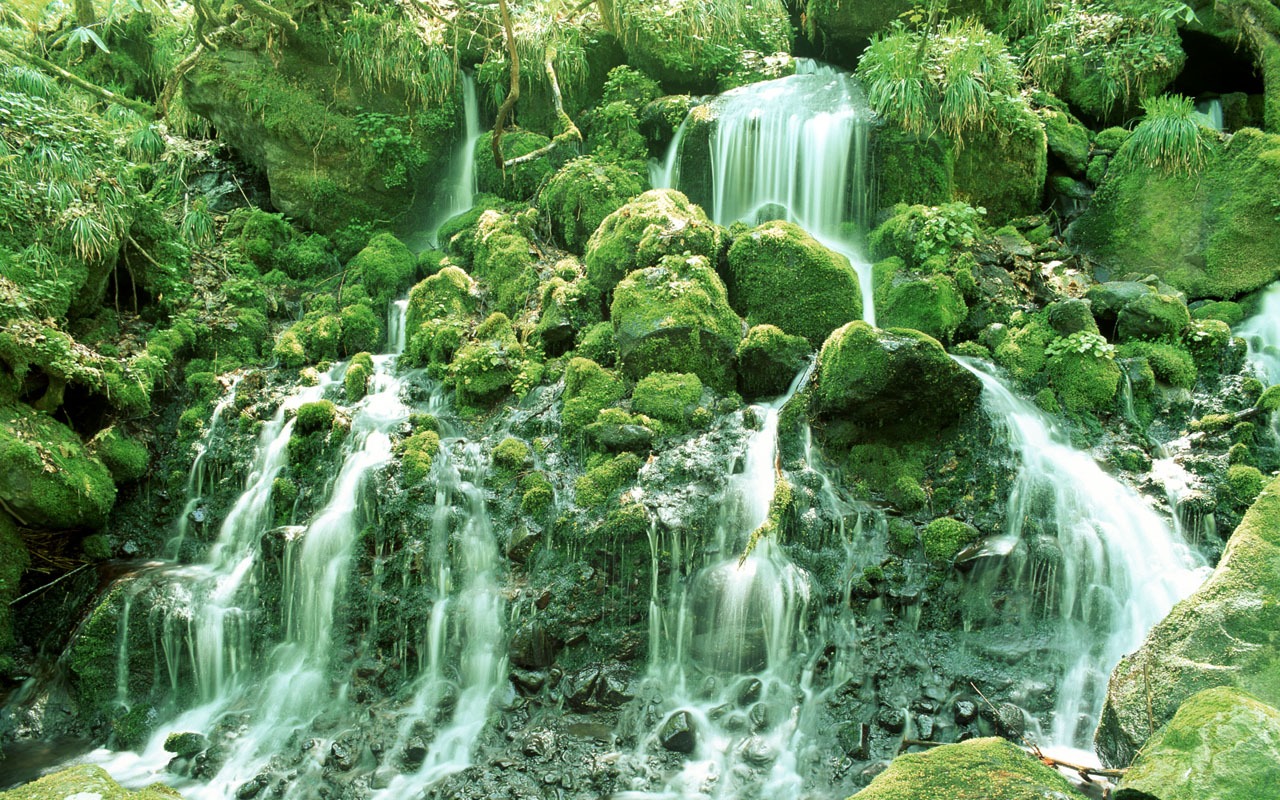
[667,396]
[438,316]
[333,150]
[518,183]
[780,275]
[569,306]
[1153,316]
[1068,140]
[47,477]
[84,782]
[873,379]
[1223,635]
[979,769]
[658,223]
[1221,745]
[585,191]
[503,257]
[588,388]
[675,317]
[1209,234]
[931,304]
[485,368]
[126,458]
[769,360]
[1082,371]
[385,267]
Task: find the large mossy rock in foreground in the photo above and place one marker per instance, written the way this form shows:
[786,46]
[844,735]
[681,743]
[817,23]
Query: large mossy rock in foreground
[675,317]
[782,276]
[1221,745]
[893,381]
[658,223]
[1226,634]
[979,769]
[83,783]
[1211,234]
[332,152]
[46,476]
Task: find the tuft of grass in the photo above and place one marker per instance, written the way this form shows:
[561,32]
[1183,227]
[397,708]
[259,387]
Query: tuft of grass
[1171,137]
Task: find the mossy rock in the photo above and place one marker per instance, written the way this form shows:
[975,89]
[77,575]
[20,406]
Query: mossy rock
[588,388]
[911,169]
[875,379]
[846,28]
[14,559]
[1153,316]
[503,257]
[945,537]
[567,309]
[658,223]
[1222,744]
[675,317]
[1068,140]
[605,478]
[780,275]
[979,769]
[1083,381]
[1004,170]
[485,368]
[1223,635]
[86,781]
[1072,315]
[385,267]
[439,314]
[585,191]
[1222,310]
[126,458]
[769,360]
[46,475]
[417,453]
[521,182]
[668,396]
[1210,234]
[930,304]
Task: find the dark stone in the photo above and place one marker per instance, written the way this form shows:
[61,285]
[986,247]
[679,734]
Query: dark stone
[533,646]
[924,727]
[750,692]
[598,688]
[678,734]
[966,711]
[415,752]
[186,745]
[341,756]
[539,744]
[893,720]
[1071,316]
[252,788]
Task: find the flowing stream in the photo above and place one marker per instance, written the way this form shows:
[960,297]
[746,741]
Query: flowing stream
[1089,552]
[795,148]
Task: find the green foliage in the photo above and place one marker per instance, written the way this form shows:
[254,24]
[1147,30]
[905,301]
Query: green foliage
[308,258]
[315,416]
[517,183]
[1170,363]
[1088,343]
[1172,136]
[918,233]
[486,367]
[416,456]
[385,267]
[629,85]
[1082,370]
[957,80]
[126,458]
[588,387]
[538,495]
[615,135]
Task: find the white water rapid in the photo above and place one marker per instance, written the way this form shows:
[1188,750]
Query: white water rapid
[1087,552]
[795,148]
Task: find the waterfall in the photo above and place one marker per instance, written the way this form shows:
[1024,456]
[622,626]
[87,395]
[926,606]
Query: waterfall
[795,148]
[1262,334]
[1211,111]
[196,478]
[465,636]
[460,191]
[1094,557]
[731,656]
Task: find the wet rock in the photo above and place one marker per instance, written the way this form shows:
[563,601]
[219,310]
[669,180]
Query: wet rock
[528,681]
[893,720]
[186,745]
[924,727]
[415,751]
[533,646]
[253,787]
[678,733]
[750,692]
[342,756]
[757,752]
[1009,720]
[966,711]
[596,688]
[980,768]
[540,743]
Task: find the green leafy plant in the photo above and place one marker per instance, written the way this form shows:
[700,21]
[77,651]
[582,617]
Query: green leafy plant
[944,228]
[1172,136]
[1082,342]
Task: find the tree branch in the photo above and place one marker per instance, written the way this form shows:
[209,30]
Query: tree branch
[75,80]
[514,93]
[273,15]
[570,132]
[175,80]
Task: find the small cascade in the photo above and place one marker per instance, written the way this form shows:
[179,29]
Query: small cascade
[460,191]
[464,644]
[197,477]
[1097,560]
[1211,111]
[731,656]
[1262,334]
[795,148]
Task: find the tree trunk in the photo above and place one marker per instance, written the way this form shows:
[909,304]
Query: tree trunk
[86,17]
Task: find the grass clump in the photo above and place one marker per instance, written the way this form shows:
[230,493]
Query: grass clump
[1171,138]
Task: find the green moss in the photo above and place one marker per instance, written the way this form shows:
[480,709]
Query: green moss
[930,304]
[1111,139]
[503,257]
[538,495]
[1067,138]
[1171,364]
[585,191]
[1221,743]
[605,478]
[355,381]
[668,396]
[782,276]
[385,267]
[126,458]
[1022,351]
[1242,485]
[46,476]
[979,769]
[308,258]
[1224,310]
[290,350]
[614,135]
[1270,399]
[598,344]
[658,223]
[912,168]
[86,781]
[1083,381]
[1153,316]
[14,560]
[259,235]
[945,537]
[361,329]
[588,388]
[568,307]
[769,360]
[315,416]
[517,183]
[675,317]
[1209,235]
[485,368]
[438,315]
[510,457]
[284,494]
[417,452]
[629,85]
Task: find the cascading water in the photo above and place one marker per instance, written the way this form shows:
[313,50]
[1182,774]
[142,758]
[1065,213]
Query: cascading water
[1099,562]
[1262,334]
[196,478]
[731,655]
[795,148]
[460,193]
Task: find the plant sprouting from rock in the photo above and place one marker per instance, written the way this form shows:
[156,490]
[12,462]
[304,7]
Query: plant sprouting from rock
[1172,137]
